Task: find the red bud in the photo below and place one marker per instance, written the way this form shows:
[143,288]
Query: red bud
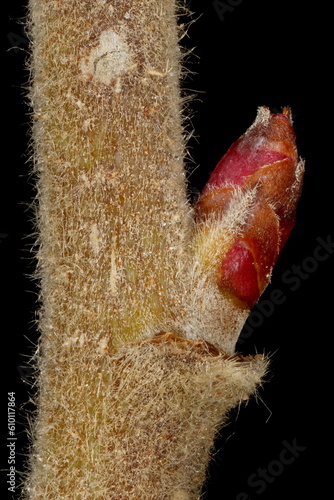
[264,158]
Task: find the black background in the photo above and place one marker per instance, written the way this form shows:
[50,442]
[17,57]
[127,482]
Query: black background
[258,53]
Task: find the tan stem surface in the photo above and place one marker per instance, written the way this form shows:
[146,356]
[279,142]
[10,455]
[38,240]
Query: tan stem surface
[119,415]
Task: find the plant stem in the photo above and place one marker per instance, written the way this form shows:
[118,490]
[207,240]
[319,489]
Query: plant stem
[122,413]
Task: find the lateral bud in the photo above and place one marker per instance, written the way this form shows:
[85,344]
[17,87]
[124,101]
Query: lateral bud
[264,160]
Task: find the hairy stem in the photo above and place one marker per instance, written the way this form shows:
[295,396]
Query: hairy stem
[122,412]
